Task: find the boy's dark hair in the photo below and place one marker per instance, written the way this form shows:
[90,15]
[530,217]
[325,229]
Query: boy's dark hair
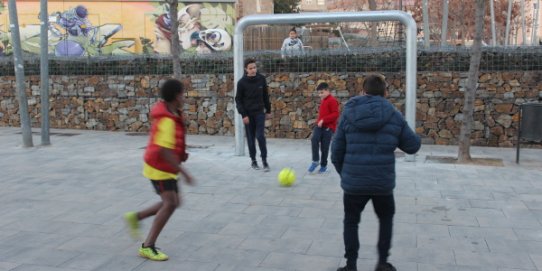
[322,86]
[293,30]
[249,61]
[374,85]
[170,89]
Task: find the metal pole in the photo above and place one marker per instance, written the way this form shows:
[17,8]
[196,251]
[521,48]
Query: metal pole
[426,34]
[411,69]
[493,31]
[238,72]
[507,32]
[444,31]
[518,139]
[303,18]
[19,74]
[523,26]
[44,73]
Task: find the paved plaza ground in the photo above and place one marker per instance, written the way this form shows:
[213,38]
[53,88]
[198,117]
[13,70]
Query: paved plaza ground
[62,205]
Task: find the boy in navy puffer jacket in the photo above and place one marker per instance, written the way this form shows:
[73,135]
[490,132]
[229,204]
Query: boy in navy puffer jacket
[370,129]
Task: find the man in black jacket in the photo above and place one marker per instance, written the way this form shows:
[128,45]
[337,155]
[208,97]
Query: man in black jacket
[252,101]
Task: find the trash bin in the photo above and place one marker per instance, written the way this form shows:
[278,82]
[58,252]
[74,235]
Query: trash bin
[530,125]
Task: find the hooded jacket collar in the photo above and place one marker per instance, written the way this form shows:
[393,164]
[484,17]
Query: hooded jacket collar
[160,110]
[368,113]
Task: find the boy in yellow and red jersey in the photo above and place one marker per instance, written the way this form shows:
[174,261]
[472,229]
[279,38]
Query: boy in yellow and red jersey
[163,157]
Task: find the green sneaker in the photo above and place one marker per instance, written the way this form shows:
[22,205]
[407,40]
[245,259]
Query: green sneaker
[133,224]
[152,253]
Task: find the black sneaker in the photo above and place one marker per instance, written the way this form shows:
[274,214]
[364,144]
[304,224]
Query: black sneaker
[255,165]
[385,267]
[346,268]
[265,166]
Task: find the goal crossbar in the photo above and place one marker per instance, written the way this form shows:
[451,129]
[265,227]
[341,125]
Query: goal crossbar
[329,17]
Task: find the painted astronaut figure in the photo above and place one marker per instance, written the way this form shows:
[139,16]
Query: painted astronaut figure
[75,21]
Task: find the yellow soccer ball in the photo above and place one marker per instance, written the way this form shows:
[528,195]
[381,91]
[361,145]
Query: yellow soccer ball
[286,177]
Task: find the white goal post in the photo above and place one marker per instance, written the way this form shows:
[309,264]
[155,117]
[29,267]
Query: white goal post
[325,17]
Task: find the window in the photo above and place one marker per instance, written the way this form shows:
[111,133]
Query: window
[321,2]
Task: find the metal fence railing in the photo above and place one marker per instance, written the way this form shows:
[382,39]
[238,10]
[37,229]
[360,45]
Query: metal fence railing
[523,23]
[332,47]
[453,59]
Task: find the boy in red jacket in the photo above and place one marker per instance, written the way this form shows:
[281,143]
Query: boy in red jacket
[325,127]
[163,157]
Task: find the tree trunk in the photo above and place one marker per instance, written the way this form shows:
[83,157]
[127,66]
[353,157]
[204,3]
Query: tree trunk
[493,30]
[474,69]
[19,74]
[508,18]
[444,30]
[175,43]
[373,36]
[523,24]
[463,28]
[426,31]
[534,39]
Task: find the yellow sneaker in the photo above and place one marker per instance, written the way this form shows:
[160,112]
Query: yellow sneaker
[152,253]
[133,224]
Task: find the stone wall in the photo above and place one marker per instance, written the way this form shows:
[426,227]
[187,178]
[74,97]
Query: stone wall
[440,101]
[123,102]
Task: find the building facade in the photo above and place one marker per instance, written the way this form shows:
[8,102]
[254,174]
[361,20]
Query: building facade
[248,7]
[313,5]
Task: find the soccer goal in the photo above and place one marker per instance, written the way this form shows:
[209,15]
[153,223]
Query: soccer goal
[327,17]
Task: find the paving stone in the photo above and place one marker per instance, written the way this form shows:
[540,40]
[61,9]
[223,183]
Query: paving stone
[529,234]
[94,244]
[42,256]
[65,212]
[87,261]
[282,245]
[226,267]
[34,267]
[174,266]
[513,246]
[464,244]
[504,260]
[38,239]
[120,262]
[432,267]
[482,232]
[197,239]
[227,256]
[5,266]
[444,256]
[537,259]
[286,261]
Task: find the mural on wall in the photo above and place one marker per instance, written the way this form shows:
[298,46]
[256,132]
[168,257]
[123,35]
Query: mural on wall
[90,29]
[203,28]
[4,39]
[71,33]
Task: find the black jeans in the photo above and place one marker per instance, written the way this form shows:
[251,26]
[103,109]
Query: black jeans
[321,139]
[255,131]
[384,206]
